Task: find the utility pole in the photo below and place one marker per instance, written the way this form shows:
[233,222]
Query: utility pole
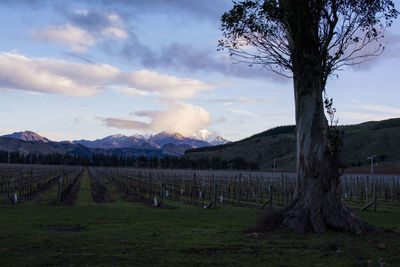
[372,164]
[274,166]
[373,179]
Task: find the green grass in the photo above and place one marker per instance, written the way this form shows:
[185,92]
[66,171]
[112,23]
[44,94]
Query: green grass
[84,196]
[126,233]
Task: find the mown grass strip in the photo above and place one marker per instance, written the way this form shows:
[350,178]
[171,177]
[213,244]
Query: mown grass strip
[85,196]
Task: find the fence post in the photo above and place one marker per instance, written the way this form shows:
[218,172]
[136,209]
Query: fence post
[357,189]
[214,193]
[106,192]
[239,191]
[256,188]
[375,197]
[282,190]
[162,192]
[393,189]
[150,188]
[366,189]
[59,193]
[287,190]
[270,195]
[8,192]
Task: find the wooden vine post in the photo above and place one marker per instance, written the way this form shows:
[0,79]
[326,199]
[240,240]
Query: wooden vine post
[161,192]
[59,192]
[214,193]
[8,192]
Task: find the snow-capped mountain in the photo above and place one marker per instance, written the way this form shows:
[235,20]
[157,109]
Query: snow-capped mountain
[142,136]
[118,141]
[137,141]
[169,143]
[164,138]
[210,137]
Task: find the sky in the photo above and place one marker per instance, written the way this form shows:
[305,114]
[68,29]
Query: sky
[88,69]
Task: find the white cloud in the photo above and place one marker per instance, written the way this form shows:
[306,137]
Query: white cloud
[357,117]
[114,32]
[114,18]
[78,39]
[241,112]
[381,109]
[168,86]
[367,113]
[83,12]
[228,101]
[52,76]
[130,91]
[127,124]
[88,29]
[178,117]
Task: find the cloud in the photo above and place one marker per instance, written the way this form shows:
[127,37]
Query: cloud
[107,22]
[251,114]
[241,112]
[79,56]
[372,112]
[381,109]
[391,42]
[112,32]
[375,108]
[243,100]
[85,28]
[168,86]
[100,23]
[193,9]
[356,117]
[187,59]
[68,35]
[129,91]
[127,124]
[179,117]
[51,76]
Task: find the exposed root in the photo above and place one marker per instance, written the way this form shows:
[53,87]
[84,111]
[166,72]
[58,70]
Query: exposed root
[319,221]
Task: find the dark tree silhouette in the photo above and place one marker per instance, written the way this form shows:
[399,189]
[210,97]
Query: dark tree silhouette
[308,40]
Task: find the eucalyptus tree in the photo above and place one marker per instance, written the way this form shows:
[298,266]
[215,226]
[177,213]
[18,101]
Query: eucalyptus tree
[308,41]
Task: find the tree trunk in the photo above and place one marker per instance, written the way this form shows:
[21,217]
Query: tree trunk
[316,204]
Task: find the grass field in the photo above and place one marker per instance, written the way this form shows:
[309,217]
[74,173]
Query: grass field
[123,233]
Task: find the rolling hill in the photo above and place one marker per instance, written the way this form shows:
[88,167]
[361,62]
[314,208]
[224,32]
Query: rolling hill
[27,136]
[359,141]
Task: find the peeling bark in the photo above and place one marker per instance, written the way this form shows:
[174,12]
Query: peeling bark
[316,204]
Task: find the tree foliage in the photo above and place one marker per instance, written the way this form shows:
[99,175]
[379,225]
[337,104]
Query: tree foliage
[344,32]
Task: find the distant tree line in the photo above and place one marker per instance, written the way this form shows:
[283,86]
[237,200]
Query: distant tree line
[115,160]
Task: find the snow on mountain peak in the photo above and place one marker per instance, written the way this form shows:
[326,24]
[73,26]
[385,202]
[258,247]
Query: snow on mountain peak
[210,136]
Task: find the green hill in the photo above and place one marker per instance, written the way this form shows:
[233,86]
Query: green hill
[360,141]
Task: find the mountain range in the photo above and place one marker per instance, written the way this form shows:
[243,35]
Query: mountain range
[381,138]
[160,144]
